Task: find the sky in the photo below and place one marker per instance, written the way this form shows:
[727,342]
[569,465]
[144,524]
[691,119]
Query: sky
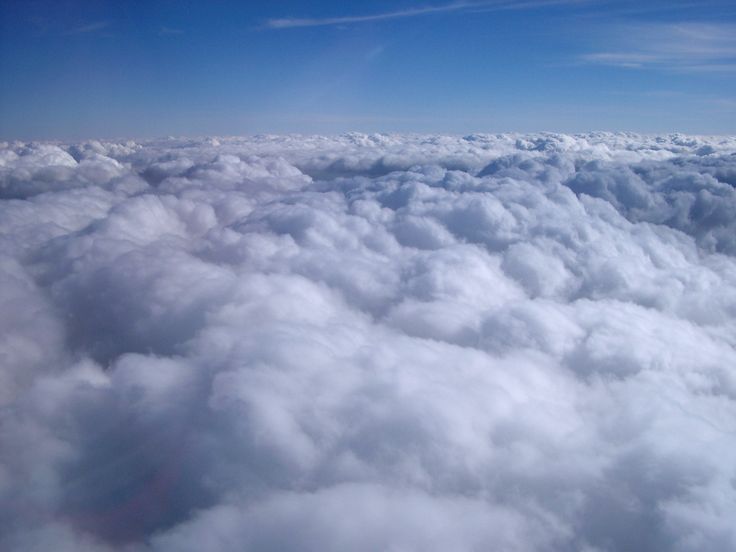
[73,69]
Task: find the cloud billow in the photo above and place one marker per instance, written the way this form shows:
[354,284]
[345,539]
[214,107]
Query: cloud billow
[369,342]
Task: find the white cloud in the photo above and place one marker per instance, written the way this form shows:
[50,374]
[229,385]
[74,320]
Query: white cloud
[290,22]
[475,6]
[369,342]
[691,47]
[89,28]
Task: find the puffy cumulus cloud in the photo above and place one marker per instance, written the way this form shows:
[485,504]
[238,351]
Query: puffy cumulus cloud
[512,342]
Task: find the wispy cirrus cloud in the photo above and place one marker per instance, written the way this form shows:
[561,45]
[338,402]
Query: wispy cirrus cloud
[88,28]
[691,47]
[292,22]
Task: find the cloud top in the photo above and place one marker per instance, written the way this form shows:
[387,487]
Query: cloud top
[369,342]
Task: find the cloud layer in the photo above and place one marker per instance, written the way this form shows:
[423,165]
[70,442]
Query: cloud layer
[508,342]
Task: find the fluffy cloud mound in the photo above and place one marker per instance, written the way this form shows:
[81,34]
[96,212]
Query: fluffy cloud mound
[415,343]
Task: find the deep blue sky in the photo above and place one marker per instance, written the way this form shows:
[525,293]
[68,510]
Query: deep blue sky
[74,69]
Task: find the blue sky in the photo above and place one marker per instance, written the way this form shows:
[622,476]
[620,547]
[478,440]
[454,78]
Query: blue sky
[76,69]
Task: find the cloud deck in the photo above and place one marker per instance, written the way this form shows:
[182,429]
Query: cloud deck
[369,342]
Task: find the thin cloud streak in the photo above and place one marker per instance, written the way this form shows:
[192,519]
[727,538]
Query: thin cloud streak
[290,22]
[293,22]
[89,28]
[690,47]
[529,4]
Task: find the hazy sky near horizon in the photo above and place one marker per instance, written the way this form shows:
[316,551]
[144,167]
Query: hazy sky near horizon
[74,69]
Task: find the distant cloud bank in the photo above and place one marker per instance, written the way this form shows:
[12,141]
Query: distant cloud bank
[369,342]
